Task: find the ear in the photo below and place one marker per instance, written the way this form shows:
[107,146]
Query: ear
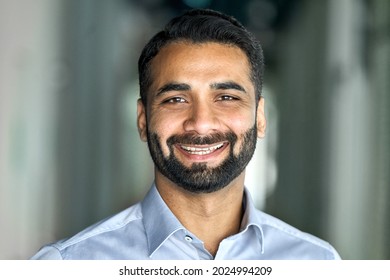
[141,120]
[261,121]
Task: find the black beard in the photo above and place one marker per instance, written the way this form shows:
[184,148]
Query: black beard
[199,178]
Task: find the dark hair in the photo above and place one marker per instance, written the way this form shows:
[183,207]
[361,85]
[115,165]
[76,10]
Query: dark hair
[200,26]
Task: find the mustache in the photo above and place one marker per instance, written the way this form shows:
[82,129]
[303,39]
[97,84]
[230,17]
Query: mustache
[193,139]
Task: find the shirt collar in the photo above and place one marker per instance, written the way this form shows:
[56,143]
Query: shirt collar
[159,221]
[252,219]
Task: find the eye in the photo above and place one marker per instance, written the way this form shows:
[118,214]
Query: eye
[227,98]
[175,99]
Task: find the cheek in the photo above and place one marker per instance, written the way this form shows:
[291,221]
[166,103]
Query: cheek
[164,129]
[163,125]
[240,125]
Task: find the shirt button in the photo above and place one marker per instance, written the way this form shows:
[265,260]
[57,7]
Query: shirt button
[188,238]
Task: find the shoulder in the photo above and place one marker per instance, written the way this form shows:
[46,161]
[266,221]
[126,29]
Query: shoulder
[284,241]
[101,240]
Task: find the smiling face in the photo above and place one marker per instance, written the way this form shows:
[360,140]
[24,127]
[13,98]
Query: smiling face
[201,121]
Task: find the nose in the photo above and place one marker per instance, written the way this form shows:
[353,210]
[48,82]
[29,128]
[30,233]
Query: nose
[201,119]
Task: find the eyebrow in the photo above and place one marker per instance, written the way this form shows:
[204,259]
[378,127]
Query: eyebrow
[186,87]
[227,85]
[173,87]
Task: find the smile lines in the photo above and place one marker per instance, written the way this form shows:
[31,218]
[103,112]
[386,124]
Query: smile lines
[201,150]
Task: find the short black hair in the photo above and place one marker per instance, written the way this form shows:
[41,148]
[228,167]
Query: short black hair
[202,26]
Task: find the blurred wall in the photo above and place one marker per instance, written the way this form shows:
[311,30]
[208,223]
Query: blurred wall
[331,80]
[69,148]
[29,46]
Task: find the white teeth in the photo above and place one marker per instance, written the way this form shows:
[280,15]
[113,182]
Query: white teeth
[201,151]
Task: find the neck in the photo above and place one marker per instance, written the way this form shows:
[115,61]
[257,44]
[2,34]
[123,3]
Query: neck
[210,216]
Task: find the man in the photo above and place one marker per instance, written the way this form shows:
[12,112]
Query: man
[200,112]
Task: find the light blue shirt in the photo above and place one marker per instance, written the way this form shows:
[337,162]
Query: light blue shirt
[149,230]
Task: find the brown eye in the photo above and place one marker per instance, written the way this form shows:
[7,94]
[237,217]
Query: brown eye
[175,100]
[226,98]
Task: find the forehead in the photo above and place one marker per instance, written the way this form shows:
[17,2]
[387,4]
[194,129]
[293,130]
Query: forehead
[207,50]
[202,60]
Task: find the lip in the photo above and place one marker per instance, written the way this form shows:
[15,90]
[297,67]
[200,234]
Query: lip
[202,152]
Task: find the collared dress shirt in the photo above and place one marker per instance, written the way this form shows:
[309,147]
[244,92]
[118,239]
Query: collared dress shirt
[149,230]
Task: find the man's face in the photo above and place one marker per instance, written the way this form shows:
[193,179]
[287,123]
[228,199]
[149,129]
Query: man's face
[201,122]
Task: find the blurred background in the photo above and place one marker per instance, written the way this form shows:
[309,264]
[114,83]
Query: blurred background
[70,154]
